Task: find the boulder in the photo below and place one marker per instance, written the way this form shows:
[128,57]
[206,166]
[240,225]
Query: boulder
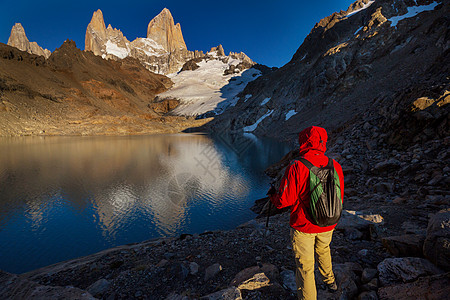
[212,271]
[432,288]
[231,293]
[405,245]
[268,269]
[437,243]
[357,225]
[407,269]
[368,274]
[258,281]
[98,288]
[14,287]
[346,279]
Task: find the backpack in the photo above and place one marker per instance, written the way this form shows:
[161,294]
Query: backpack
[325,194]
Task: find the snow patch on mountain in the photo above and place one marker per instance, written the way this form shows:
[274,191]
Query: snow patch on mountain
[412,11]
[254,126]
[265,101]
[207,89]
[290,113]
[114,49]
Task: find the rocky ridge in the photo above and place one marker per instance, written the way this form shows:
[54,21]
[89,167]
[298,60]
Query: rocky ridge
[74,92]
[162,51]
[19,40]
[377,60]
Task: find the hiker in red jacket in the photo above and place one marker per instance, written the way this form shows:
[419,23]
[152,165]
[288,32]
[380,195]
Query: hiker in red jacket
[306,237]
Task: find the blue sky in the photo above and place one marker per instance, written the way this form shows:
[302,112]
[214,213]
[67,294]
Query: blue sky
[268,31]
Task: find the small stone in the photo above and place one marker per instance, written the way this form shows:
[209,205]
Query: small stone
[212,271]
[138,294]
[363,252]
[193,266]
[162,263]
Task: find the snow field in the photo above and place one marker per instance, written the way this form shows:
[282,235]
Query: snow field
[207,89]
[412,11]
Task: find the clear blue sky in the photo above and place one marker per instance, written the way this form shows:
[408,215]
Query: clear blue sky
[268,31]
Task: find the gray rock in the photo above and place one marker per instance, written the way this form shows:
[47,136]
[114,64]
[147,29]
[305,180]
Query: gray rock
[388,165]
[269,270]
[383,187]
[193,266]
[371,285]
[231,293]
[353,234]
[437,243]
[14,287]
[405,245]
[432,288]
[345,278]
[99,287]
[401,270]
[368,274]
[288,279]
[212,271]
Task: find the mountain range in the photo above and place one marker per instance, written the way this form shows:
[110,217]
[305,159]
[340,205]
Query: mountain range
[100,82]
[384,62]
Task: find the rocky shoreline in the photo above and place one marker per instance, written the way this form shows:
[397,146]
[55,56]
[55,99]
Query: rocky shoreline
[224,265]
[391,243]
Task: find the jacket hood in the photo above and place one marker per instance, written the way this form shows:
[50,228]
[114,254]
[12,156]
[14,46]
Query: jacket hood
[313,138]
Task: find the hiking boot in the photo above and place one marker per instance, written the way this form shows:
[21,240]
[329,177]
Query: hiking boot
[332,287]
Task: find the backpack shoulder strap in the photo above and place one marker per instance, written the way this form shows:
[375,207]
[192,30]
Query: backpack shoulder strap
[306,163]
[330,163]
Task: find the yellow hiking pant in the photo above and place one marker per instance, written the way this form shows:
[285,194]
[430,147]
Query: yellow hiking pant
[304,246]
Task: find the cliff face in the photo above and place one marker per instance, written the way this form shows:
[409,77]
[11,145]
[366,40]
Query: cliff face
[163,30]
[162,51]
[371,62]
[19,40]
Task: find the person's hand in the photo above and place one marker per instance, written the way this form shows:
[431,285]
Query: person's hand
[272,191]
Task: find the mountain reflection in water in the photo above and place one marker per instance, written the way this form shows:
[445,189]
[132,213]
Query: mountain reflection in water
[64,197]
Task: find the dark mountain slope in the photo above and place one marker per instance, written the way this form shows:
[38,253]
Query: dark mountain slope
[76,92]
[356,67]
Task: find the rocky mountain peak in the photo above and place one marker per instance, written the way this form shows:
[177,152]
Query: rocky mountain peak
[162,29]
[19,39]
[219,50]
[95,33]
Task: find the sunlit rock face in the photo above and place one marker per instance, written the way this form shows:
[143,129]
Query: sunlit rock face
[162,51]
[19,39]
[163,30]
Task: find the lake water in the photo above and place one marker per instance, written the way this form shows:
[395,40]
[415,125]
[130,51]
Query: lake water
[66,197]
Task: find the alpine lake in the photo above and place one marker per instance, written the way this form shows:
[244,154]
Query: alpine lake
[67,197]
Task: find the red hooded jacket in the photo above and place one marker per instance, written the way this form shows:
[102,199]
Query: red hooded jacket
[294,187]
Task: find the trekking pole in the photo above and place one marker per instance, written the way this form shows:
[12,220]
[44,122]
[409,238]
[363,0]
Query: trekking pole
[268,214]
[266,229]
